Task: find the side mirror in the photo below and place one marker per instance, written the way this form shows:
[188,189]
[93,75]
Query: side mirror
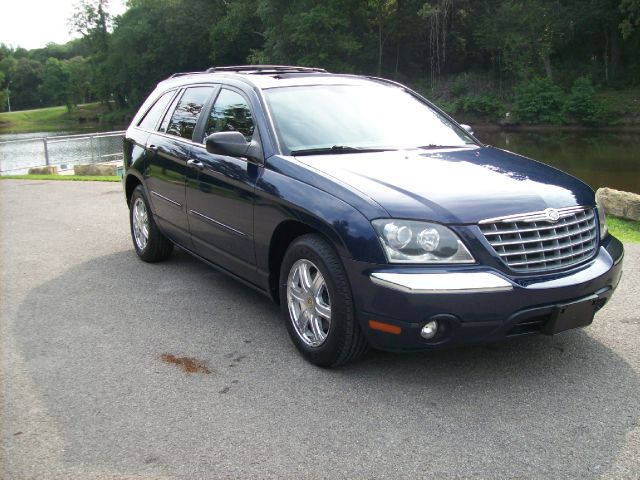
[467,128]
[233,144]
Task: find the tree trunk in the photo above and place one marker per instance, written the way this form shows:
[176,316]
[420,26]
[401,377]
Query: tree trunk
[380,48]
[546,60]
[614,36]
[605,57]
[121,100]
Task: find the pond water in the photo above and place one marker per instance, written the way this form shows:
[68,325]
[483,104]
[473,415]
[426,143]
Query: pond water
[19,152]
[599,158]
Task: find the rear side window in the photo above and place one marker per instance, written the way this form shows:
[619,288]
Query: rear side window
[152,117]
[230,113]
[184,118]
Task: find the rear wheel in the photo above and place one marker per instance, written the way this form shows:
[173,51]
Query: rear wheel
[317,304]
[149,242]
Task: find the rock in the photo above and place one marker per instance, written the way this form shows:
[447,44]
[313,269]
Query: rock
[95,169]
[619,204]
[52,170]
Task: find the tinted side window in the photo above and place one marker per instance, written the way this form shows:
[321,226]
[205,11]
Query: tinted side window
[167,116]
[185,116]
[152,117]
[230,113]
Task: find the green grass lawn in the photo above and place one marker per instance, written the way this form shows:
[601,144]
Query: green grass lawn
[626,231]
[70,178]
[50,119]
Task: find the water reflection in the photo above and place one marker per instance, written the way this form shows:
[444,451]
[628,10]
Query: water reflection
[600,158]
[29,151]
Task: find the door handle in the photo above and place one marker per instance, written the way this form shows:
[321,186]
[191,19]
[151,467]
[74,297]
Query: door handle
[195,163]
[153,148]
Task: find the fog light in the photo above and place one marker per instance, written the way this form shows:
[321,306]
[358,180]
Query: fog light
[429,330]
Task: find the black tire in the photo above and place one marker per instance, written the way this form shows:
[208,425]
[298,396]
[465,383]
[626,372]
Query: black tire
[344,342]
[157,247]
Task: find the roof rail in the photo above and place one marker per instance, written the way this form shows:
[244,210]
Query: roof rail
[255,69]
[182,74]
[266,69]
[387,81]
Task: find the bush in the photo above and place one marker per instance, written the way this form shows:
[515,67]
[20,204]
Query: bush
[450,107]
[582,104]
[487,105]
[460,86]
[539,101]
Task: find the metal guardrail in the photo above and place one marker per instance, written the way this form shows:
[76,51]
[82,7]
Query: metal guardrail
[64,151]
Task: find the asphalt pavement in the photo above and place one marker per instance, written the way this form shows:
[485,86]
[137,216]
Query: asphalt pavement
[89,387]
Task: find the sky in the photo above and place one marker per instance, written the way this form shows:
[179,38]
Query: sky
[34,23]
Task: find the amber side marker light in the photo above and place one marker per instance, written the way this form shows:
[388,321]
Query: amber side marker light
[384,327]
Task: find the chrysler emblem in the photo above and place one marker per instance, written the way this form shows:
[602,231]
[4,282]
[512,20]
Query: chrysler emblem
[552,214]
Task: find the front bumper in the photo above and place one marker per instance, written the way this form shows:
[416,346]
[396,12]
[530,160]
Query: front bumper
[472,304]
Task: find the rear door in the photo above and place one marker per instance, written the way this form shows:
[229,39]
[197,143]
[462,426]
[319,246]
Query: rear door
[136,138]
[220,191]
[168,150]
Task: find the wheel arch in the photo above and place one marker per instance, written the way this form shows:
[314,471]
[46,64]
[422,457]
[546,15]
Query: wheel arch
[283,236]
[130,184]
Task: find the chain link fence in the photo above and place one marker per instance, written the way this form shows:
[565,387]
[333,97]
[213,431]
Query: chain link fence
[65,151]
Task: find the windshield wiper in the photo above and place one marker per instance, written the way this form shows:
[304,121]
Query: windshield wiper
[337,149]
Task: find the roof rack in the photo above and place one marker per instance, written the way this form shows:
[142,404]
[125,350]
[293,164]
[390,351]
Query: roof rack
[255,69]
[266,69]
[182,74]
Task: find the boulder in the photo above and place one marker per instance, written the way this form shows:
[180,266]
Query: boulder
[95,169]
[619,204]
[51,170]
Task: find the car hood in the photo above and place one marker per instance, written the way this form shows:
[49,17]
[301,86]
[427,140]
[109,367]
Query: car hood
[454,186]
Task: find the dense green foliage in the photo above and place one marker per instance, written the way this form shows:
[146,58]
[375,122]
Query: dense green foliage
[536,61]
[582,104]
[539,100]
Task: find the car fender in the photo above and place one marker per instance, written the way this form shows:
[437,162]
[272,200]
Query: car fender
[281,199]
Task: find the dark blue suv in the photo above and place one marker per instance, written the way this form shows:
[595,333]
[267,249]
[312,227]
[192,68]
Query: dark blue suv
[367,213]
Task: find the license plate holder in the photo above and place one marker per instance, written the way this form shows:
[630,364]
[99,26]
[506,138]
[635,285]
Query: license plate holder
[570,315]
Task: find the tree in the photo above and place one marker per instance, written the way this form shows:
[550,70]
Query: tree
[55,87]
[93,21]
[384,14]
[237,34]
[631,10]
[310,33]
[154,39]
[80,80]
[3,94]
[437,15]
[523,36]
[7,70]
[26,79]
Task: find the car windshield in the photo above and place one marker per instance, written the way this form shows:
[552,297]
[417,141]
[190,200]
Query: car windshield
[349,118]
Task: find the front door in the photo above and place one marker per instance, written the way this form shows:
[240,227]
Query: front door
[220,191]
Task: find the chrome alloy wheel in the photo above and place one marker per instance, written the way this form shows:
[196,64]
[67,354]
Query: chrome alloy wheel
[309,303]
[140,223]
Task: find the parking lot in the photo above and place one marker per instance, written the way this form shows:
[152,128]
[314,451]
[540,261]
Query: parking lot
[89,337]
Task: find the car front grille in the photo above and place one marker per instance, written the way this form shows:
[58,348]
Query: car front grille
[533,243]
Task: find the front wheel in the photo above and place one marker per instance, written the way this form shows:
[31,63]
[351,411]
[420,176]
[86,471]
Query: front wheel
[150,244]
[317,304]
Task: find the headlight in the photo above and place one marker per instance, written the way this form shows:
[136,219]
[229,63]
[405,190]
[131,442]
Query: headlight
[603,221]
[407,241]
